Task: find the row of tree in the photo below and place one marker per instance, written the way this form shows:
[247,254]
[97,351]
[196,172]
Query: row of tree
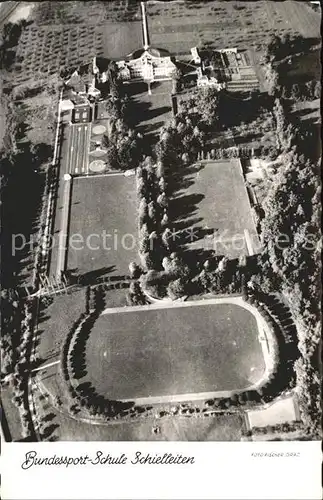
[152,214]
[284,427]
[276,64]
[15,362]
[83,396]
[124,146]
[10,37]
[291,240]
[303,91]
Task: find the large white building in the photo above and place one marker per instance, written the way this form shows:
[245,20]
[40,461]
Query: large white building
[147,64]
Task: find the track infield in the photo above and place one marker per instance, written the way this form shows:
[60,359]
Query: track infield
[103,224]
[177,350]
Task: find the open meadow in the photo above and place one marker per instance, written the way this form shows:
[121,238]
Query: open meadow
[178,26]
[218,427]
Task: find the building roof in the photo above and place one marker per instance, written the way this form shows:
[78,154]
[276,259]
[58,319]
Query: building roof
[77,83]
[79,100]
[152,51]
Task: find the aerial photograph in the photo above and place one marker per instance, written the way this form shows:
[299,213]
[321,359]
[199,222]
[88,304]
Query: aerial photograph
[160,220]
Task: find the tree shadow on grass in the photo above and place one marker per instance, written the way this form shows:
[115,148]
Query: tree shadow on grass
[152,128]
[49,430]
[137,88]
[182,177]
[185,205]
[182,225]
[193,234]
[153,113]
[49,417]
[138,112]
[90,277]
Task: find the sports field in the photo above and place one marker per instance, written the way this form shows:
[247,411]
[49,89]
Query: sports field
[78,153]
[178,350]
[103,222]
[216,205]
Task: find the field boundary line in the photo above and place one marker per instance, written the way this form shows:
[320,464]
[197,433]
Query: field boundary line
[180,398]
[171,304]
[92,176]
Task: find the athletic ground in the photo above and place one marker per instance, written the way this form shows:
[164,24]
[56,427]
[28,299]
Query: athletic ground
[78,150]
[103,203]
[175,350]
[217,206]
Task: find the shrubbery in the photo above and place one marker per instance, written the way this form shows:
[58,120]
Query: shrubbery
[20,364]
[152,211]
[277,428]
[124,147]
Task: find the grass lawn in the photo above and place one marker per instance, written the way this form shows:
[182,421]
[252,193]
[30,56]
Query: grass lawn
[215,209]
[178,26]
[308,110]
[150,112]
[216,428]
[157,352]
[121,38]
[106,203]
[56,320]
[11,418]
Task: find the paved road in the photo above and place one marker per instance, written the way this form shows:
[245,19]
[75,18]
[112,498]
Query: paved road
[43,367]
[78,148]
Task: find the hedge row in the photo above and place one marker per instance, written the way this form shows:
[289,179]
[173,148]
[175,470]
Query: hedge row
[278,428]
[19,381]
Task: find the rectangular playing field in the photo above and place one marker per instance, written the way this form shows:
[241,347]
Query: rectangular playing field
[103,224]
[217,201]
[176,350]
